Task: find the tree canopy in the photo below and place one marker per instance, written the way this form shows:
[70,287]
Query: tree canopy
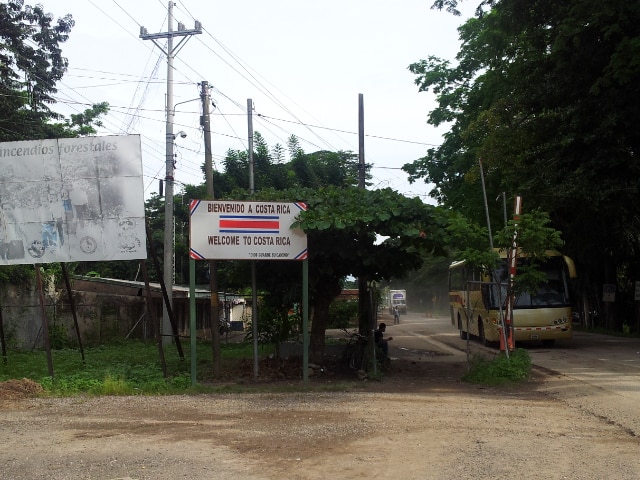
[31,65]
[365,233]
[372,234]
[546,94]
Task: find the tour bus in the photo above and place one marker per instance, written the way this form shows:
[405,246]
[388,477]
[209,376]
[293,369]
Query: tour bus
[544,315]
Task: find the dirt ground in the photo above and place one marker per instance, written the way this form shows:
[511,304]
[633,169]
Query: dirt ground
[419,422]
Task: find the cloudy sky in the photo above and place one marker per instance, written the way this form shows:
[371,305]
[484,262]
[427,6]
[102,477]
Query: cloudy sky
[302,63]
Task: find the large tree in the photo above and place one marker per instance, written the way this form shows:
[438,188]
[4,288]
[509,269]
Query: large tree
[546,94]
[351,231]
[371,234]
[31,63]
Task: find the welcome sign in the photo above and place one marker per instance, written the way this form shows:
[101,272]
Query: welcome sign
[228,230]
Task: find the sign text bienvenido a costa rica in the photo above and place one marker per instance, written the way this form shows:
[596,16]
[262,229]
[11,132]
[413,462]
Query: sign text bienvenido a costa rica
[238,230]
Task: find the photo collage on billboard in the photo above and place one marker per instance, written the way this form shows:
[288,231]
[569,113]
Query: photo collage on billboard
[71,199]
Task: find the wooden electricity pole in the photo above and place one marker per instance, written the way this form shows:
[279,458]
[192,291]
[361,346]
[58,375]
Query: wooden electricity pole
[213,267]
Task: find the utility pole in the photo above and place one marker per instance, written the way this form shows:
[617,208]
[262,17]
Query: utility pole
[364,293]
[252,187]
[205,123]
[170,51]
[214,305]
[254,283]
[361,164]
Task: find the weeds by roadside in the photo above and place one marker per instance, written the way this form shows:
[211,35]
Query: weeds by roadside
[125,368]
[133,368]
[500,370]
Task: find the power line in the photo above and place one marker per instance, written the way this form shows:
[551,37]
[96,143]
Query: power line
[269,118]
[238,66]
[352,133]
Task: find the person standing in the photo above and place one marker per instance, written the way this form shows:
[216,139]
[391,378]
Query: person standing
[381,342]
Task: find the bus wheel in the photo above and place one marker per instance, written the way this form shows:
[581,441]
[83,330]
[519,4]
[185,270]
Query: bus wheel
[463,334]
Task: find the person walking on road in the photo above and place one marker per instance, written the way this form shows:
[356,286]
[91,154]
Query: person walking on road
[396,316]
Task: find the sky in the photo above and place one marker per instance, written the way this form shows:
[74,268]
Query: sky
[303,64]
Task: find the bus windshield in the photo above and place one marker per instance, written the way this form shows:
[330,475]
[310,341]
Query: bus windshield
[554,292]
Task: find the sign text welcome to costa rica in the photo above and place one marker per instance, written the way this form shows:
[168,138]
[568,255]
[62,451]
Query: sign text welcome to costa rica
[235,230]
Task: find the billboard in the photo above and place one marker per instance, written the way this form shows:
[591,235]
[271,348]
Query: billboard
[71,199]
[234,230]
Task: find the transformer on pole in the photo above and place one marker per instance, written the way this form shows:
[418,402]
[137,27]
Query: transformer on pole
[170,51]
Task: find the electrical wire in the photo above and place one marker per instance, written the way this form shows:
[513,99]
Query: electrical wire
[136,113]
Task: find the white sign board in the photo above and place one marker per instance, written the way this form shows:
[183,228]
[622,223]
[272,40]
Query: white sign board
[71,199]
[230,230]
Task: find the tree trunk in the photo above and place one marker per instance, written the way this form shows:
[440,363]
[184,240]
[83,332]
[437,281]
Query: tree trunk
[323,297]
[365,324]
[318,328]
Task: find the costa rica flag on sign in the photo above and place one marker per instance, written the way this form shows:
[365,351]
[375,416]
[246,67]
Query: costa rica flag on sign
[249,224]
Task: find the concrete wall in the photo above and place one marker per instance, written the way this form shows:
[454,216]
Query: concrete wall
[100,317]
[103,314]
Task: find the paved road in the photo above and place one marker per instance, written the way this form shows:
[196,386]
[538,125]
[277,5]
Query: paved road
[598,373]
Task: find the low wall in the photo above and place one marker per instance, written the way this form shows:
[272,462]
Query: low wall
[100,318]
[102,315]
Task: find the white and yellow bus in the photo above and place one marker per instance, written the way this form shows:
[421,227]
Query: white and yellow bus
[544,315]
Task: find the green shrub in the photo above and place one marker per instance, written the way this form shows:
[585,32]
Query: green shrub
[500,370]
[116,386]
[58,337]
[343,314]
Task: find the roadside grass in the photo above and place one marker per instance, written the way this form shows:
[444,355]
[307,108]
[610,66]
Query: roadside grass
[500,370]
[133,368]
[124,368]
